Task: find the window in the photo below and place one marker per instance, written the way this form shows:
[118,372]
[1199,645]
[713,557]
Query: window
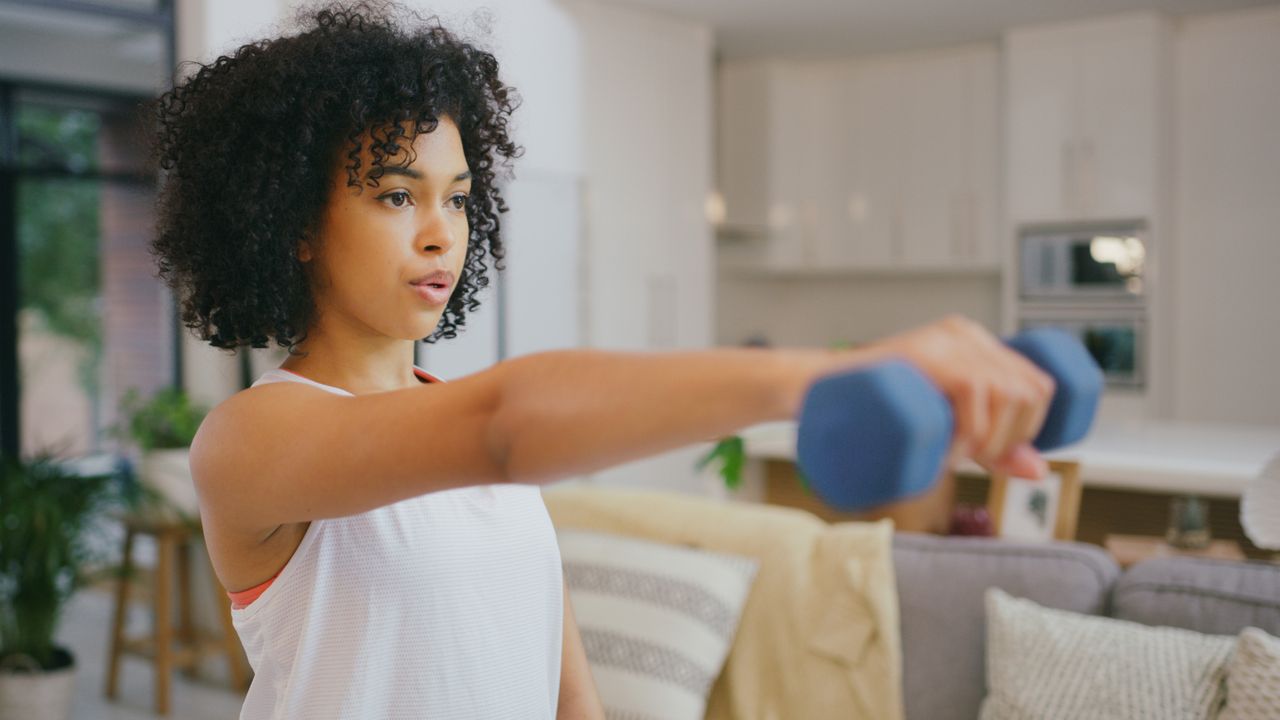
[82,316]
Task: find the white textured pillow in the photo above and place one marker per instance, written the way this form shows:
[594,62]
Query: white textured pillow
[1047,663]
[1253,678]
[656,620]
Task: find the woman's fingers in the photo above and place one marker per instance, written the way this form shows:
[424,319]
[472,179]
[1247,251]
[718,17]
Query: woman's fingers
[999,398]
[972,416]
[1005,408]
[1016,400]
[1023,461]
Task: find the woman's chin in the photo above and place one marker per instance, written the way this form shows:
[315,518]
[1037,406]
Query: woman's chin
[418,329]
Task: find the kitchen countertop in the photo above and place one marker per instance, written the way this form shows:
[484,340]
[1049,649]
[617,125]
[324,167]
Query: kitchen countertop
[1212,459]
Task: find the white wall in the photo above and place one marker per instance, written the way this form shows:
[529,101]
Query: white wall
[647,84]
[538,47]
[1227,217]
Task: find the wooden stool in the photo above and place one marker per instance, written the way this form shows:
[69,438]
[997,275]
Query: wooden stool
[173,543]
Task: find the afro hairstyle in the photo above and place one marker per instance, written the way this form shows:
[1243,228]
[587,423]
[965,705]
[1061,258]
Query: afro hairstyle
[247,148]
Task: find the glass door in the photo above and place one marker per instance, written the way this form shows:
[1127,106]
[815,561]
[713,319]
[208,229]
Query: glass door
[92,319]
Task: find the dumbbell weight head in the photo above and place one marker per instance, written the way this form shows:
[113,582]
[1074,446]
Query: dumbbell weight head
[873,436]
[1078,379]
[880,434]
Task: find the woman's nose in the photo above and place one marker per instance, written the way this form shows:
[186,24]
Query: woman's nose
[436,235]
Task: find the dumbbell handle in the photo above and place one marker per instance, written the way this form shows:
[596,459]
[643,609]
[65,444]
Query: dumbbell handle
[878,434]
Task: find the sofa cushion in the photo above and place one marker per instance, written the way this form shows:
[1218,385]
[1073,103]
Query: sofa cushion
[941,581]
[1253,678]
[656,620]
[1047,663]
[1210,596]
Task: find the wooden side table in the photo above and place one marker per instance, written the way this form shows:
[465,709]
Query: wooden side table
[1131,549]
[173,542]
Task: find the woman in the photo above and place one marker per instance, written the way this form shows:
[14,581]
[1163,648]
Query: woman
[334,191]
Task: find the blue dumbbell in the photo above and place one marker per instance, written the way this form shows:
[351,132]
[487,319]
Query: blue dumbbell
[879,434]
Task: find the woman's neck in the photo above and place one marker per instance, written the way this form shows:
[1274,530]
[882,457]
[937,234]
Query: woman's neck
[368,366]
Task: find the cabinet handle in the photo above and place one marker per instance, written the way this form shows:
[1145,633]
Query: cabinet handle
[895,229]
[971,226]
[957,226]
[1089,175]
[1069,176]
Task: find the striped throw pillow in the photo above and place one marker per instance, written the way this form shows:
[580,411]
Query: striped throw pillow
[656,620]
[1048,663]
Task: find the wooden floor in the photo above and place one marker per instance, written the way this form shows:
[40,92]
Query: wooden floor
[84,629]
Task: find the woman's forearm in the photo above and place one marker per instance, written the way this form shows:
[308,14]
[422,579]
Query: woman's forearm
[562,413]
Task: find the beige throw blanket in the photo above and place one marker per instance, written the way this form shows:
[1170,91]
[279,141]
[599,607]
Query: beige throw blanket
[819,635]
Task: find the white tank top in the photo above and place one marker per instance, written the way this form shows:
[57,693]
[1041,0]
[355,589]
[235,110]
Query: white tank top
[445,605]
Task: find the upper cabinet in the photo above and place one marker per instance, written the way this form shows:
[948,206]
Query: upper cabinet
[1086,118]
[881,163]
[745,94]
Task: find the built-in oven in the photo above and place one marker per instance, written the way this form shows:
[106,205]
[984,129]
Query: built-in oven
[1116,338]
[1092,280]
[1089,262]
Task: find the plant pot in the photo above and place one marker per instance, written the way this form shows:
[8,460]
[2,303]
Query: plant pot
[168,473]
[38,695]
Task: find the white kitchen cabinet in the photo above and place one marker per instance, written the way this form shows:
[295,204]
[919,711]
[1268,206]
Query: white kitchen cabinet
[743,148]
[924,182]
[950,144]
[872,224]
[978,198]
[884,162]
[767,162]
[801,122]
[1084,115]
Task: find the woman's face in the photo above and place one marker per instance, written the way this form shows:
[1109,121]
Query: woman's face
[377,243]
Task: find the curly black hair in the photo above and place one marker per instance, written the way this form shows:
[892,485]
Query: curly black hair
[247,147]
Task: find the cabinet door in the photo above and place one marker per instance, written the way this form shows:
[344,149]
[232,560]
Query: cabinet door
[826,142]
[791,206]
[742,122]
[983,242]
[1040,92]
[875,162]
[933,158]
[1120,84]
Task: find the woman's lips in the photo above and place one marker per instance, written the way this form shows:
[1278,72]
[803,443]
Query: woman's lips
[433,293]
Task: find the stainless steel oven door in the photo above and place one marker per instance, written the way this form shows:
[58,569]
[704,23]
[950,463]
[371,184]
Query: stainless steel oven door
[1085,263]
[1115,337]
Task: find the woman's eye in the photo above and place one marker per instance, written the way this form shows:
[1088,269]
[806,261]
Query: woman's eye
[459,202]
[398,198]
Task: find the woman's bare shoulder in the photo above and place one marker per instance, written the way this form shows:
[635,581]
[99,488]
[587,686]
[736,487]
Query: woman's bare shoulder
[244,552]
[230,442]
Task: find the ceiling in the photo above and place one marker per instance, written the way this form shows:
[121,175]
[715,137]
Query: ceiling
[831,28]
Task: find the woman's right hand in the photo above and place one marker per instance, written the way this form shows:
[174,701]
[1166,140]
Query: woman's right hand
[998,397]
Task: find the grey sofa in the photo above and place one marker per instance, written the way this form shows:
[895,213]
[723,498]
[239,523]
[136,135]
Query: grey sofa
[941,581]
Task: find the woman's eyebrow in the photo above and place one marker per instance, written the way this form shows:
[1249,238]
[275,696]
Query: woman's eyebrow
[401,170]
[414,174]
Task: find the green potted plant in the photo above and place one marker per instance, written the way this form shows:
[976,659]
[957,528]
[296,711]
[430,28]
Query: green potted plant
[49,523]
[163,426]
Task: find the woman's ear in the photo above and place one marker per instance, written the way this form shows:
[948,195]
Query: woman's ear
[304,250]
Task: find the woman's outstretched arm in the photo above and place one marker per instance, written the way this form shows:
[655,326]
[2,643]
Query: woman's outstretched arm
[577,411]
[287,452]
[571,412]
